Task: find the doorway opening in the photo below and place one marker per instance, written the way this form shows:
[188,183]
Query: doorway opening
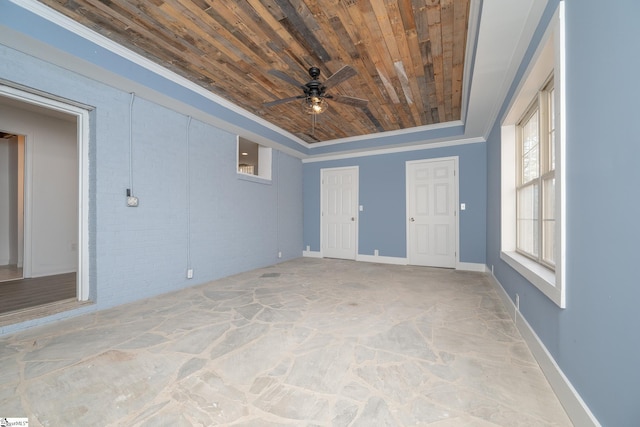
[43,208]
[12,206]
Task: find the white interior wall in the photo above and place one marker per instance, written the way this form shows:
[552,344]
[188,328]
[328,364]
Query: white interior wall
[13,199]
[20,200]
[51,189]
[4,204]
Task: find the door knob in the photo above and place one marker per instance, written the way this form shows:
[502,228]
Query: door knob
[353,218]
[411,219]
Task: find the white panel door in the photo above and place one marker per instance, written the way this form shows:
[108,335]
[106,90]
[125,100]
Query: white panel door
[431,212]
[339,212]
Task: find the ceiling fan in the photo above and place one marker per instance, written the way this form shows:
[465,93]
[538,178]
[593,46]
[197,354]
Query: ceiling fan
[314,91]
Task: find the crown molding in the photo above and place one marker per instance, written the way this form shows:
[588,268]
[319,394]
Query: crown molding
[80,30]
[396,149]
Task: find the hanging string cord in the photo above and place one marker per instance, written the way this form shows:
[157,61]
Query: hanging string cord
[278,200]
[133,96]
[188,196]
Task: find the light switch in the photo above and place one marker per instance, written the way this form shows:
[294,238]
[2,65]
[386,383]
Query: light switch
[463,206]
[361,208]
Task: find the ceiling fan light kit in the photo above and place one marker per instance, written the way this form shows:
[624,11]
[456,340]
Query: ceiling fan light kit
[315,104]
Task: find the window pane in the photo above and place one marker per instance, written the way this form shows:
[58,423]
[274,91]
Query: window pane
[528,221]
[248,157]
[530,148]
[548,220]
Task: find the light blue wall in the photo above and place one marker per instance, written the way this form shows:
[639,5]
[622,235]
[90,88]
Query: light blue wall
[595,340]
[235,224]
[143,251]
[382,193]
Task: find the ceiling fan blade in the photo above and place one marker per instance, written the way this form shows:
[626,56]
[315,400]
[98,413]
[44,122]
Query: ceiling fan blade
[281,101]
[350,100]
[286,77]
[339,76]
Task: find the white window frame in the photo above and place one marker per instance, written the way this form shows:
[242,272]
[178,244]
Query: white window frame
[549,59]
[545,172]
[264,163]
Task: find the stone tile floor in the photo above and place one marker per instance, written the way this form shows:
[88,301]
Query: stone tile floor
[308,342]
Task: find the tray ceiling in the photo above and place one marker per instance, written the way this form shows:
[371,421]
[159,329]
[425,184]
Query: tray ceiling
[408,54]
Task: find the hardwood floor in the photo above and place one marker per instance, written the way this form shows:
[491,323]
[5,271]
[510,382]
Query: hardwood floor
[27,293]
[10,272]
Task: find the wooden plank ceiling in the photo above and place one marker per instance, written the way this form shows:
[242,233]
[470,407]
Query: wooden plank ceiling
[408,54]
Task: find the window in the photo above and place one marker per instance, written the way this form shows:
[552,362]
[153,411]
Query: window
[532,168]
[535,181]
[253,159]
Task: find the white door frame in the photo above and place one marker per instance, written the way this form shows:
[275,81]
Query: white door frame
[82,119]
[456,189]
[323,171]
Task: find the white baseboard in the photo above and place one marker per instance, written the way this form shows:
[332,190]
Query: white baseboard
[471,266]
[312,254]
[363,258]
[382,259]
[53,272]
[464,266]
[576,408]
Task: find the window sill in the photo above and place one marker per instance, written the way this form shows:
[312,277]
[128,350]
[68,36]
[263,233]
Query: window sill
[539,276]
[253,178]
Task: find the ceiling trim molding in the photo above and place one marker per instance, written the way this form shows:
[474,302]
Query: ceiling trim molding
[392,150]
[56,18]
[475,14]
[45,12]
[492,61]
[391,133]
[85,33]
[534,14]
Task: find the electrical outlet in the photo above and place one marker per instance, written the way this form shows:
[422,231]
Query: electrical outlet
[132,201]
[190,273]
[308,248]
[375,252]
[279,254]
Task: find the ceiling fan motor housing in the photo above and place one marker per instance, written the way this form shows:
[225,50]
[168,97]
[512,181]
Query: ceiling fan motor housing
[314,72]
[314,88]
